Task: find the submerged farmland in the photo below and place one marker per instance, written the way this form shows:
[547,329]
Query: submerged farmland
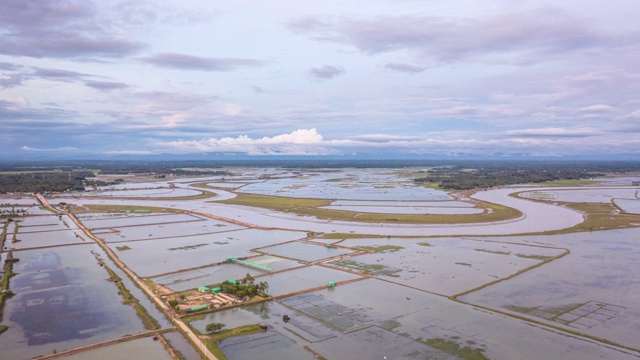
[287,262]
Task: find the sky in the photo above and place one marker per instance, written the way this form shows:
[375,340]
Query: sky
[299,77]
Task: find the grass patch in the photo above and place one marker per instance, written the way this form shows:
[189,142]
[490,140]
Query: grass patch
[349,236]
[276,202]
[3,328]
[601,217]
[431,185]
[597,217]
[389,325]
[123,248]
[534,257]
[577,182]
[14,237]
[380,248]
[338,180]
[310,207]
[202,195]
[211,341]
[149,322]
[369,269]
[188,247]
[455,349]
[463,264]
[424,243]
[494,252]
[204,185]
[131,209]
[4,285]
[3,236]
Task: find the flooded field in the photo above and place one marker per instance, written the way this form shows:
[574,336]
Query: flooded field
[208,276]
[8,201]
[62,301]
[445,266]
[154,193]
[159,256]
[129,350]
[631,206]
[43,231]
[348,184]
[569,293]
[372,319]
[407,210]
[304,278]
[605,195]
[138,220]
[303,251]
[400,291]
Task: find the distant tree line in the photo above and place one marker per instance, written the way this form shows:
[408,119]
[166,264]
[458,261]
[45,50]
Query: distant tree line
[456,178]
[38,182]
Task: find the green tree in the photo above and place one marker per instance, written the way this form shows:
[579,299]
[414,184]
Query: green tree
[213,327]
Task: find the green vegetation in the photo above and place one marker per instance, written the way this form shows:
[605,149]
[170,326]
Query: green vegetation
[568,183]
[601,217]
[490,174]
[39,182]
[202,195]
[204,185]
[276,202]
[123,248]
[390,325]
[597,217]
[128,208]
[188,247]
[212,340]
[3,328]
[494,252]
[213,327]
[14,237]
[463,264]
[149,322]
[344,236]
[424,244]
[4,285]
[455,349]
[369,269]
[310,207]
[3,235]
[244,287]
[380,248]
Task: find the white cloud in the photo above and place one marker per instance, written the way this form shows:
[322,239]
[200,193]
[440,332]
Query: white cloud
[295,142]
[551,132]
[597,108]
[59,149]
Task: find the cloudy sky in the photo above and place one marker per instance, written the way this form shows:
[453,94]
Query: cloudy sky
[320,77]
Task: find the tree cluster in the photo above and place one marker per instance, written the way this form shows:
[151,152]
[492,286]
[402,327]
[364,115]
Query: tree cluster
[38,182]
[245,287]
[213,327]
[460,179]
